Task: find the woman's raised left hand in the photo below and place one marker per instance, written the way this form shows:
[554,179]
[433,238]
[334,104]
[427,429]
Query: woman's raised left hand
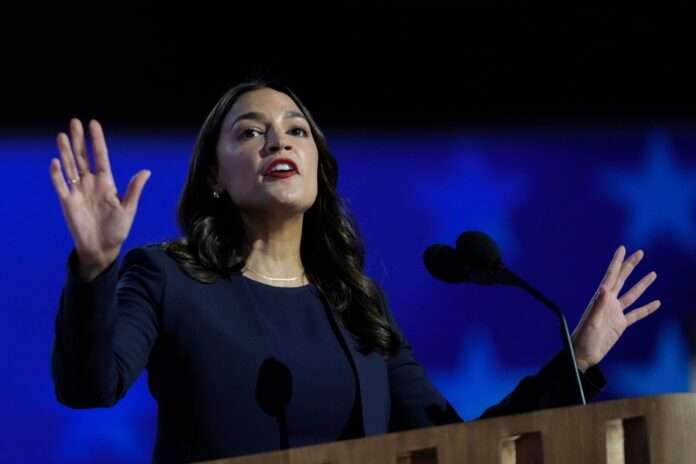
[608,315]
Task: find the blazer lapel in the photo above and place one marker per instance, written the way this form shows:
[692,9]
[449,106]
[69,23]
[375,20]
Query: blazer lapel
[373,384]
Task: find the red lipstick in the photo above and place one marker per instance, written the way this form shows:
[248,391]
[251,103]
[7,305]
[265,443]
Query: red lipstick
[282,174]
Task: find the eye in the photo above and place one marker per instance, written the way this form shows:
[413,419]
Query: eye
[249,133]
[298,131]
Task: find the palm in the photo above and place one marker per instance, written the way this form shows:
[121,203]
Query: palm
[98,219]
[95,215]
[605,318]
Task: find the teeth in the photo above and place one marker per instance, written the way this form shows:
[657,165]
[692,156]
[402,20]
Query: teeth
[281,167]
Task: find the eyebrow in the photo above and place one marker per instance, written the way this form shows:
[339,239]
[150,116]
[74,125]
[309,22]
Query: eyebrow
[256,116]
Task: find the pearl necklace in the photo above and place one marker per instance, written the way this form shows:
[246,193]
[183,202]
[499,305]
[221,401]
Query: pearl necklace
[273,279]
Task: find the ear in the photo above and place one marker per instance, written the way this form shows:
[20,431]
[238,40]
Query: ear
[212,176]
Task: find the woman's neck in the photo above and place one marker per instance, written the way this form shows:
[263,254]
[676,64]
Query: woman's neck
[275,252]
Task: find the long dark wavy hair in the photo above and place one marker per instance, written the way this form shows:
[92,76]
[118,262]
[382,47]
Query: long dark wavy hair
[214,242]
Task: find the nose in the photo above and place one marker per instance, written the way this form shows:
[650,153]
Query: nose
[277,141]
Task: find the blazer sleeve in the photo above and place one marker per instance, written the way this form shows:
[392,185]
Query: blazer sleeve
[105,329]
[553,386]
[416,402]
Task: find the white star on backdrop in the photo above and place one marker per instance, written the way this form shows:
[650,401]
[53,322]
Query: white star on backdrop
[89,435]
[479,380]
[472,196]
[659,197]
[666,372]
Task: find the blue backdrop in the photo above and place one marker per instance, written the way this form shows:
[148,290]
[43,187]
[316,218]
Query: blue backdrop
[558,201]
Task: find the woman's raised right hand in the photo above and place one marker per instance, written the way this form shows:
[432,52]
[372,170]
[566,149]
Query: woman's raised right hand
[98,219]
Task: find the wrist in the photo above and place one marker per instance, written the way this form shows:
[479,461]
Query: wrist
[90,266]
[582,365]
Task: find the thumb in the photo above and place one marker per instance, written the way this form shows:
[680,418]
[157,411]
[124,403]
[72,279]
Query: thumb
[601,292]
[135,188]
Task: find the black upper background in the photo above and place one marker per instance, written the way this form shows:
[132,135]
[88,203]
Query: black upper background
[148,66]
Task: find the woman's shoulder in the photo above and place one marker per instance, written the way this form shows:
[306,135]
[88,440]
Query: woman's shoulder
[151,255]
[172,258]
[151,250]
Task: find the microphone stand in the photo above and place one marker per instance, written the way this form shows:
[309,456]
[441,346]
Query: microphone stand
[507,277]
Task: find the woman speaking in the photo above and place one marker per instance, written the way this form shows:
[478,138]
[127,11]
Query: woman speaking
[259,327]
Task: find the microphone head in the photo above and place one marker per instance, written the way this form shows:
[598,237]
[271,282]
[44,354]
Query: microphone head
[273,387]
[445,264]
[481,255]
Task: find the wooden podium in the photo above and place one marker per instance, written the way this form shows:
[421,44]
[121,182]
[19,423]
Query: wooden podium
[652,429]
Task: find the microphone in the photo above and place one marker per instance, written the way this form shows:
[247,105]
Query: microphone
[273,394]
[477,259]
[445,264]
[481,256]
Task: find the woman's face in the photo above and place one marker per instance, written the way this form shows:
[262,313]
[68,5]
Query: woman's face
[262,127]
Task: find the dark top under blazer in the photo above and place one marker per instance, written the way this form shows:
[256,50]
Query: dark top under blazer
[203,345]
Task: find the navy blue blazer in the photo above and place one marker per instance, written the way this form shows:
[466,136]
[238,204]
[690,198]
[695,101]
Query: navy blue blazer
[203,345]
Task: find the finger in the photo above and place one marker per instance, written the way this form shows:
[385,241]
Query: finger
[79,147]
[614,267]
[101,154]
[644,311]
[637,290]
[626,268]
[68,159]
[135,188]
[59,180]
